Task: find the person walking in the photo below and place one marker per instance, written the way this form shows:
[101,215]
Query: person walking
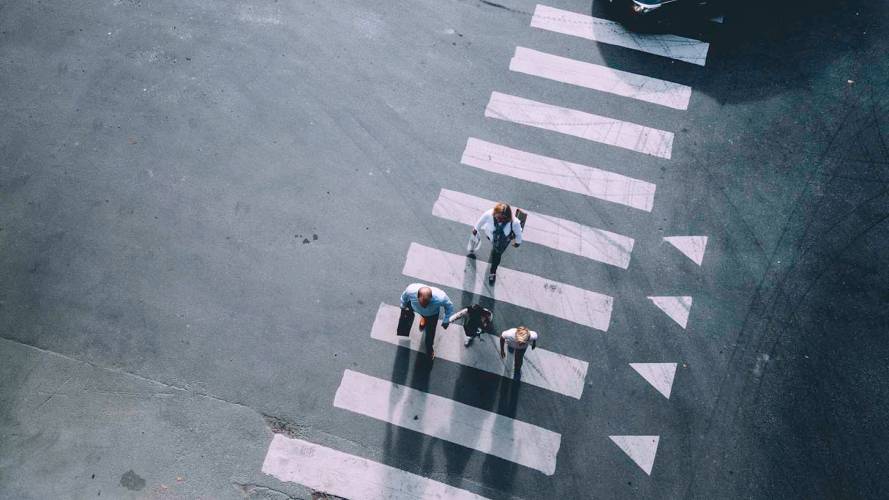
[517,339]
[500,227]
[476,320]
[427,301]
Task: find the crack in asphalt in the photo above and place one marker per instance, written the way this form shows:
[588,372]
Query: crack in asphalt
[174,387]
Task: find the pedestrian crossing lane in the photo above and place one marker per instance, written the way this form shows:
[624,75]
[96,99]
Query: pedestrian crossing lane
[490,433]
[553,232]
[348,476]
[609,32]
[545,369]
[600,78]
[576,178]
[596,128]
[526,290]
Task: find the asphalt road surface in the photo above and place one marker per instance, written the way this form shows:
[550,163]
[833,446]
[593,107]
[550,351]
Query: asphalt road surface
[208,211]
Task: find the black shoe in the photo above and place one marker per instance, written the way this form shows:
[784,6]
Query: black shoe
[492,278]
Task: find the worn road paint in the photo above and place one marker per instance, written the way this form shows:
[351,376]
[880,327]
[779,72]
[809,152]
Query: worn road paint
[449,420]
[515,287]
[676,308]
[601,78]
[553,232]
[559,174]
[641,449]
[596,128]
[348,476]
[604,31]
[692,246]
[542,368]
[659,375]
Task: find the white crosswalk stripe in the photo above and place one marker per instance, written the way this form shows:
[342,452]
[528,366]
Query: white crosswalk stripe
[601,78]
[443,418]
[596,128]
[542,368]
[605,31]
[553,232]
[349,476]
[559,174]
[515,287]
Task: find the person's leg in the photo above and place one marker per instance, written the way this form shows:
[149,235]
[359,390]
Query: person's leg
[431,325]
[519,358]
[495,260]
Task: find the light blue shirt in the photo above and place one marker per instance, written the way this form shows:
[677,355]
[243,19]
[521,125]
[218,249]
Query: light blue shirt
[439,300]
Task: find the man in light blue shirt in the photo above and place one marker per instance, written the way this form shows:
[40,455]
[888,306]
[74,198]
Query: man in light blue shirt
[427,301]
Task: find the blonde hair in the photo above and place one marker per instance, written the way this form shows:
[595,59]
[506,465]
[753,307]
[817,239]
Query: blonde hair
[522,334]
[503,208]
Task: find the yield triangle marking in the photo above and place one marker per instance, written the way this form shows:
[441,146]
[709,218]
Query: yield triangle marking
[641,449]
[676,308]
[692,246]
[659,375]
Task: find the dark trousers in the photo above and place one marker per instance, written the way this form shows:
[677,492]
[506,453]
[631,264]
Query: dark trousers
[431,325]
[495,259]
[519,357]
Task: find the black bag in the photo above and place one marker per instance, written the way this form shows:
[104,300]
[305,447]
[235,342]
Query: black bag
[522,216]
[405,322]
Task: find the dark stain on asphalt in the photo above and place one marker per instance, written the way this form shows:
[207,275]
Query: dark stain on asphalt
[131,481]
[501,6]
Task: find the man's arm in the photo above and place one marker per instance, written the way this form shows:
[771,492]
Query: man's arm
[405,298]
[449,311]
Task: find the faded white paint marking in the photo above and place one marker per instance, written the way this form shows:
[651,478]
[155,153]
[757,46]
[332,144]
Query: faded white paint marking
[442,418]
[659,375]
[344,475]
[560,234]
[641,449]
[692,246]
[559,174]
[601,78]
[676,308]
[542,368]
[610,131]
[515,287]
[718,19]
[605,31]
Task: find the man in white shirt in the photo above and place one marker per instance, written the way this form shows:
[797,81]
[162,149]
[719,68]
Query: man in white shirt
[518,339]
[500,227]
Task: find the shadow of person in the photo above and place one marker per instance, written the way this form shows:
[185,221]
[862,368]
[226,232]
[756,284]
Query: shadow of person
[496,472]
[403,448]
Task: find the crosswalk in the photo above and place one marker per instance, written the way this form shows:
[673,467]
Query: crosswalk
[612,33]
[491,433]
[596,128]
[525,443]
[553,232]
[526,290]
[588,181]
[545,369]
[601,78]
[348,476]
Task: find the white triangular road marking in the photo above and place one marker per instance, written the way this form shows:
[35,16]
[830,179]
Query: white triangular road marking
[641,449]
[676,308]
[659,375]
[692,246]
